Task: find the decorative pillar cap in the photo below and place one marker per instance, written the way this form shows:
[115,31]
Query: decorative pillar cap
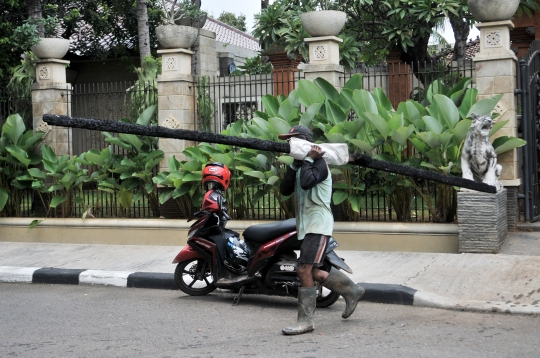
[324,38]
[176,50]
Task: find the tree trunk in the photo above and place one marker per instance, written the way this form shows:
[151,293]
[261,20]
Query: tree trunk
[143,30]
[264,4]
[461,32]
[34,11]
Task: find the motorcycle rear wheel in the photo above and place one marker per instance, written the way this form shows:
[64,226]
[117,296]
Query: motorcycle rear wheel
[326,298]
[185,277]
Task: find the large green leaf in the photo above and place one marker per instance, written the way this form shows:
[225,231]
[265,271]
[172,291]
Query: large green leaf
[146,116]
[378,122]
[14,128]
[460,130]
[401,135]
[4,196]
[433,124]
[31,140]
[125,198]
[382,100]
[271,105]
[132,139]
[355,82]
[469,99]
[57,200]
[278,126]
[364,146]
[327,88]
[485,106]
[339,196]
[309,114]
[48,153]
[504,144]
[446,110]
[334,112]
[497,126]
[286,110]
[19,154]
[430,138]
[309,93]
[362,102]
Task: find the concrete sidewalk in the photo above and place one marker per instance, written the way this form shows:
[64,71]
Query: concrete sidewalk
[506,282]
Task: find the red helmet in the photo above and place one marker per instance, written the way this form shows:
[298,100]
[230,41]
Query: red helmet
[217,175]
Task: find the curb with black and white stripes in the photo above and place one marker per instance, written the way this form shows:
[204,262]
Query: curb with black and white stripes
[87,277]
[375,292]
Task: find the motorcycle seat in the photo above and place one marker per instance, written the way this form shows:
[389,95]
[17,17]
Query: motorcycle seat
[265,232]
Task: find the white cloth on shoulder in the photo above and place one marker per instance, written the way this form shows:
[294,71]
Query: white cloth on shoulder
[334,153]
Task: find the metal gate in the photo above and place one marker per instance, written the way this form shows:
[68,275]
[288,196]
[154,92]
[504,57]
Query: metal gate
[530,105]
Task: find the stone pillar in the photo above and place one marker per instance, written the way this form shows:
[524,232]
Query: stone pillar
[176,100]
[50,95]
[324,60]
[496,73]
[482,221]
[205,61]
[283,73]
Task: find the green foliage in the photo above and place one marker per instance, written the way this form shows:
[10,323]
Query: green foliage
[129,176]
[19,87]
[238,22]
[66,178]
[253,66]
[17,163]
[179,11]
[206,108]
[144,93]
[280,25]
[27,35]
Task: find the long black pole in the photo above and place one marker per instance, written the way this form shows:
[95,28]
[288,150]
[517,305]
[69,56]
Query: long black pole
[252,143]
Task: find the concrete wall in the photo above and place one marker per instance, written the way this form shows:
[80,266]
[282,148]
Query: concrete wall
[363,236]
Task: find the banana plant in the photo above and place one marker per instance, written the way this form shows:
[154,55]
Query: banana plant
[66,178]
[18,162]
[129,176]
[183,180]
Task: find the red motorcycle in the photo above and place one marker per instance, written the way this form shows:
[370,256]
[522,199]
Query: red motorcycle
[264,262]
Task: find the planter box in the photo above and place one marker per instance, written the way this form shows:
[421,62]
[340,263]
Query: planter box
[363,236]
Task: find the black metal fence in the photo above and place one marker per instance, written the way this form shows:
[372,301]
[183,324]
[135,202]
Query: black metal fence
[530,103]
[10,104]
[221,101]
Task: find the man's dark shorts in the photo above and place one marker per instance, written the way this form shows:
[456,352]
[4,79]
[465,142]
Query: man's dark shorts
[313,250]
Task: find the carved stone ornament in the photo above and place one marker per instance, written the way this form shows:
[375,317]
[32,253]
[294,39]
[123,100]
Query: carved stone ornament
[45,73]
[171,122]
[170,63]
[320,52]
[493,39]
[478,157]
[43,127]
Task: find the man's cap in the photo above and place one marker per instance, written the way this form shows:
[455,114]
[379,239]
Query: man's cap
[296,131]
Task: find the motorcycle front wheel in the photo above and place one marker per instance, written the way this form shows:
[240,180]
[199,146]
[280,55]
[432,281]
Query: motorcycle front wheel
[189,278]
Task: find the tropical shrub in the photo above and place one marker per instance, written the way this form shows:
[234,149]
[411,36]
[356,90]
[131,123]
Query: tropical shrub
[18,169]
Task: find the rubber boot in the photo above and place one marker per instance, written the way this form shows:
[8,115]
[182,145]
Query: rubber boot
[338,282]
[307,300]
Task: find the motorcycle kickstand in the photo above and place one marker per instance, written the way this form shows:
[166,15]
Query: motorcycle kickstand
[236,299]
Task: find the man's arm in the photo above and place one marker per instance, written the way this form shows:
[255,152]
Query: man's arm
[287,184]
[314,169]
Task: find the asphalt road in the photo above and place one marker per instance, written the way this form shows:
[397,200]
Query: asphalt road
[91,321]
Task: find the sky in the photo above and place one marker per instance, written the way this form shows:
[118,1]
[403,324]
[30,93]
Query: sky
[237,7]
[251,7]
